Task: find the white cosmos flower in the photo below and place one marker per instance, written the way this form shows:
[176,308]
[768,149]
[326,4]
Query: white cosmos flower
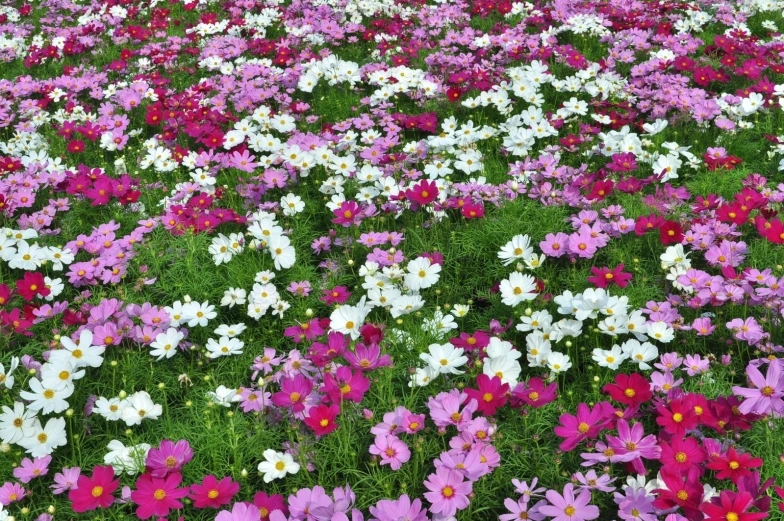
[660,331]
[422,376]
[291,204]
[110,408]
[126,459]
[611,358]
[282,252]
[7,377]
[165,344]
[444,358]
[224,396]
[83,354]
[558,362]
[233,296]
[16,423]
[47,399]
[43,440]
[422,274]
[277,465]
[518,248]
[199,314]
[225,346]
[507,368]
[640,353]
[517,288]
[57,375]
[348,319]
[230,330]
[140,407]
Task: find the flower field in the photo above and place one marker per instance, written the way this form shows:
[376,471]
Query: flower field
[392,260]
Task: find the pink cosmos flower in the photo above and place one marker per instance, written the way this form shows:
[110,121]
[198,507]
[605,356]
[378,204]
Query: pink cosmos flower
[603,277]
[65,480]
[11,493]
[268,504]
[445,409]
[567,507]
[767,395]
[392,450]
[695,365]
[401,508]
[555,245]
[448,492]
[631,445]
[168,458]
[32,469]
[240,512]
[588,423]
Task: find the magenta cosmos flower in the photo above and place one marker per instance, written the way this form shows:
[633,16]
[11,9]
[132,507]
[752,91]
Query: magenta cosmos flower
[448,491]
[567,507]
[293,392]
[168,458]
[94,492]
[156,496]
[212,493]
[345,385]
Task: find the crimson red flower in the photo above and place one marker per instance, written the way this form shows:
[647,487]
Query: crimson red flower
[646,224]
[32,284]
[630,389]
[154,117]
[212,493]
[454,93]
[603,277]
[321,419]
[491,394]
[94,492]
[671,233]
[600,190]
[76,146]
[733,465]
[731,506]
